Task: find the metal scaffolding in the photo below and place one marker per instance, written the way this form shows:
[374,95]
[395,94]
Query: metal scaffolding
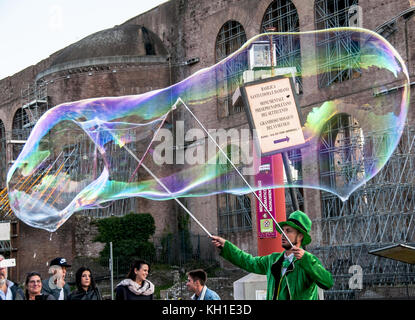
[234,212]
[295,163]
[336,48]
[283,16]
[124,165]
[380,213]
[34,103]
[229,39]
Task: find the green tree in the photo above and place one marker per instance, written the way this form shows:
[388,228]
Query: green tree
[129,236]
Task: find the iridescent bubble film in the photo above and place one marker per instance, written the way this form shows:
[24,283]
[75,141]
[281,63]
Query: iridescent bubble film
[353,100]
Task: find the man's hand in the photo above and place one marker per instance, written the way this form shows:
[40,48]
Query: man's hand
[218,241]
[298,252]
[58,278]
[60,283]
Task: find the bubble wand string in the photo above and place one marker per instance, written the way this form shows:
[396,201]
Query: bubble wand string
[240,174]
[167,189]
[148,148]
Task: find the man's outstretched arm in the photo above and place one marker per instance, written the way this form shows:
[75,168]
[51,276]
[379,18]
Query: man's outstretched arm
[240,258]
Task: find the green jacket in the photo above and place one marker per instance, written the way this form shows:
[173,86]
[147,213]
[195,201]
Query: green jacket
[299,282]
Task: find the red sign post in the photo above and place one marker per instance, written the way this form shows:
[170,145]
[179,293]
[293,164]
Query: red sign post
[271,173]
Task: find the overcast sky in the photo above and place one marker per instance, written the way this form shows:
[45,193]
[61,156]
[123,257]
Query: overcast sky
[31,30]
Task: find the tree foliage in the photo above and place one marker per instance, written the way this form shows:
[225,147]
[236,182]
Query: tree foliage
[129,236]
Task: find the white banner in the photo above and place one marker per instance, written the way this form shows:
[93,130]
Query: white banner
[6,263]
[4,231]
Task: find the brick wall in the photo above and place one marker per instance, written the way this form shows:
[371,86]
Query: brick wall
[37,247]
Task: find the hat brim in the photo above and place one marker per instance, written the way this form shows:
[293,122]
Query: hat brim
[61,265]
[306,239]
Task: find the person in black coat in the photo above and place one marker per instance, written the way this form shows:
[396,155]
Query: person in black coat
[136,286]
[86,288]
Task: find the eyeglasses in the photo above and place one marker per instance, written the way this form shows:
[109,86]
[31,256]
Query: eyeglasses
[34,281]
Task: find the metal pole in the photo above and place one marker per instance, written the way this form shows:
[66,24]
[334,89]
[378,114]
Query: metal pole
[239,173]
[271,49]
[112,272]
[287,168]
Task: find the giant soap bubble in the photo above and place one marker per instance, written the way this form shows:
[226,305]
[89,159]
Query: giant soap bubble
[84,154]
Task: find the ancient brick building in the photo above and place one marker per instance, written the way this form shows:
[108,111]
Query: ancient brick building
[171,42]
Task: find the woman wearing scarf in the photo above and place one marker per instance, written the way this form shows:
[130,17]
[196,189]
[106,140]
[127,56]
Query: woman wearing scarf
[136,286]
[86,287]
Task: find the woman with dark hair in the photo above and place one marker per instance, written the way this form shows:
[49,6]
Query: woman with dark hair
[33,285]
[86,288]
[136,286]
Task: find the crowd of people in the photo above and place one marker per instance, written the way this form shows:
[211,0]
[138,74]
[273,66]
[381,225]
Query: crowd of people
[293,274]
[135,286]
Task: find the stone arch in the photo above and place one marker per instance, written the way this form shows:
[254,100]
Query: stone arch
[20,131]
[230,37]
[245,16]
[234,211]
[281,14]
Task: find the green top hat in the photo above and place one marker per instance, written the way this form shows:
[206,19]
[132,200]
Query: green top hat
[301,222]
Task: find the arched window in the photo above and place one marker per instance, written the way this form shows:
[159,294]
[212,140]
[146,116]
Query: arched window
[229,39]
[341,160]
[19,126]
[283,16]
[234,212]
[336,49]
[20,130]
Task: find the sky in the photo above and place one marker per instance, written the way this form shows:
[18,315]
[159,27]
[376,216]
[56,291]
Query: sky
[31,30]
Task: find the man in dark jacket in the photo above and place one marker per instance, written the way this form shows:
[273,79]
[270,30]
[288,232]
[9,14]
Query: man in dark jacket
[293,274]
[55,285]
[8,289]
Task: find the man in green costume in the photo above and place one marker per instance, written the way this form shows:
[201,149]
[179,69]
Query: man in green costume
[293,274]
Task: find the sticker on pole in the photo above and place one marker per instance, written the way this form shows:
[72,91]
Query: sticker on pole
[273,114]
[266,225]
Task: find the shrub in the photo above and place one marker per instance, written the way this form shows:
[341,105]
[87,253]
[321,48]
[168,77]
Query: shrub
[129,236]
